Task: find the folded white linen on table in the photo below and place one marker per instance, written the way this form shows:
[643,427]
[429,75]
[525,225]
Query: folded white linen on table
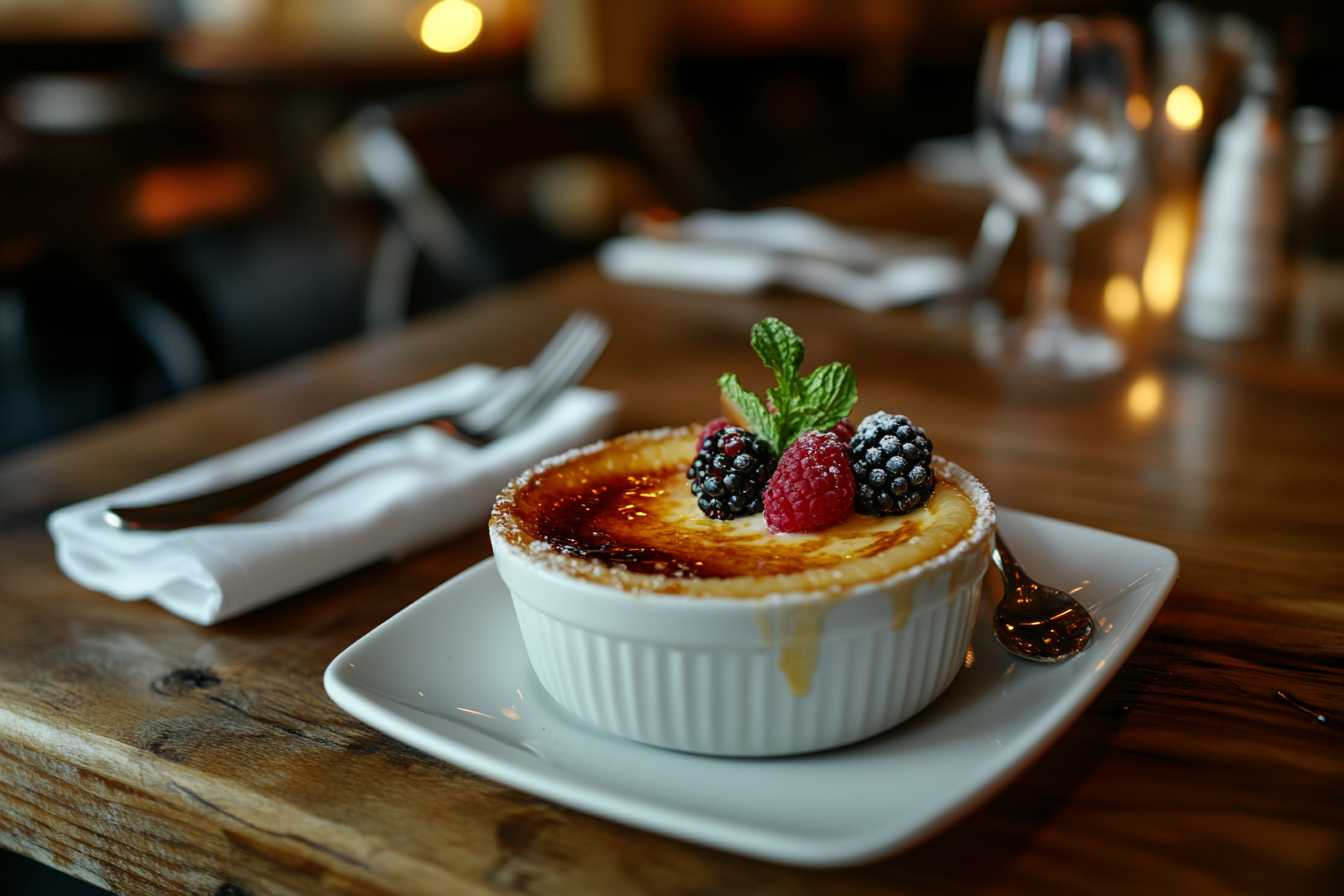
[739,252]
[388,497]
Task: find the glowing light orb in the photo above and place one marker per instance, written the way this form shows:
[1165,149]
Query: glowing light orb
[1121,299]
[451,25]
[1144,399]
[1185,109]
[1139,111]
[1164,268]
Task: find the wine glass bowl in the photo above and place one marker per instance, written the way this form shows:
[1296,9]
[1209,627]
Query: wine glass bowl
[1059,150]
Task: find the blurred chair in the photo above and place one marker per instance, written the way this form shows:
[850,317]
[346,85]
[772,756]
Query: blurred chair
[368,154]
[447,167]
[80,136]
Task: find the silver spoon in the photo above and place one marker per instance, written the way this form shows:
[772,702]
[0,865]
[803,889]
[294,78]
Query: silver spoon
[1035,621]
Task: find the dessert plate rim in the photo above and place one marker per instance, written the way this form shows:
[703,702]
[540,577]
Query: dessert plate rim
[449,676]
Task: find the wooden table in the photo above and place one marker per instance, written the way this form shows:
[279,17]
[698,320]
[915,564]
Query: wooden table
[152,756]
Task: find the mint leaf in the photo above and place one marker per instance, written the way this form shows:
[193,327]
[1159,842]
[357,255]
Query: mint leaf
[829,394]
[818,401]
[759,420]
[781,350]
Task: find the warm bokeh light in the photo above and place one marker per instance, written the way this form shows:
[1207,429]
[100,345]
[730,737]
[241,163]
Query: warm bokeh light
[1184,108]
[174,196]
[1139,111]
[1121,299]
[1144,399]
[1164,269]
[451,25]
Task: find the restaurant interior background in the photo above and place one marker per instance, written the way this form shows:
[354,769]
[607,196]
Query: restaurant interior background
[192,189]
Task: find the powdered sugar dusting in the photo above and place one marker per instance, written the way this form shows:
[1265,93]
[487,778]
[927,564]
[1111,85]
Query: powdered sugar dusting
[812,487]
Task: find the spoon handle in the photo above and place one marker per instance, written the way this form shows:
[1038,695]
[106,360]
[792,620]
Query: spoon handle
[1007,563]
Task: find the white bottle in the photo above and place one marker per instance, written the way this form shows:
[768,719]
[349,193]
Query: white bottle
[1235,271]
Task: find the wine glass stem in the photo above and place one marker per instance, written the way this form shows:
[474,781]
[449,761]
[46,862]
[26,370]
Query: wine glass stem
[1051,273]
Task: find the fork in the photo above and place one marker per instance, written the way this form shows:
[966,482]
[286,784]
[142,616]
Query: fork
[521,392]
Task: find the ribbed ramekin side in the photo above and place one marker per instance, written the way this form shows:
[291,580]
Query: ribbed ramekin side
[862,661]
[738,702]
[936,644]
[542,637]
[960,632]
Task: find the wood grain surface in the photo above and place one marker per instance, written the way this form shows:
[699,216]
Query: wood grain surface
[149,755]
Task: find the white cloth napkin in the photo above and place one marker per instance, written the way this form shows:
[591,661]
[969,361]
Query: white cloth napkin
[731,252]
[389,497]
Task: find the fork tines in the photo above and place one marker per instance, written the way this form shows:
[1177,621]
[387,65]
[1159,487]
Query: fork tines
[564,361]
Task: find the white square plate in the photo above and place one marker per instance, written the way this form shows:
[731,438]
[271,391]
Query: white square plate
[449,676]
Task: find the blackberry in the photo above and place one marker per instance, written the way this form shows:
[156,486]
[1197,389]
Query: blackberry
[730,473]
[891,461]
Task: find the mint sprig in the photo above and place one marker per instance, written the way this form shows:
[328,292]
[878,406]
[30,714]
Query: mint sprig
[817,401]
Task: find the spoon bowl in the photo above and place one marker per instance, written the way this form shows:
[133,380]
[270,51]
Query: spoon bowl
[1035,621]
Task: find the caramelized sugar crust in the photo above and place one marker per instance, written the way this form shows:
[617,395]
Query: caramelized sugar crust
[622,513]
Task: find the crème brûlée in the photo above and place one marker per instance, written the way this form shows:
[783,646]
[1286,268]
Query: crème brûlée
[648,620]
[621,513]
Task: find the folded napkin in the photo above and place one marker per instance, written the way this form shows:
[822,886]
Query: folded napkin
[730,252]
[388,497]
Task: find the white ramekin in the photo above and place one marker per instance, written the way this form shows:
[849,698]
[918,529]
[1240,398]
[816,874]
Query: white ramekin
[730,676]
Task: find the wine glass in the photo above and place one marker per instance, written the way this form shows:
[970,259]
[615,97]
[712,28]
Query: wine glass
[1059,150]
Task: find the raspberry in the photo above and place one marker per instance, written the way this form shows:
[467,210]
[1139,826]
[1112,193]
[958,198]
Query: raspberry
[812,487]
[711,427]
[891,463]
[730,472]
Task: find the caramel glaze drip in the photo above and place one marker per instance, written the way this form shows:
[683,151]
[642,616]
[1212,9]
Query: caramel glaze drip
[642,522]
